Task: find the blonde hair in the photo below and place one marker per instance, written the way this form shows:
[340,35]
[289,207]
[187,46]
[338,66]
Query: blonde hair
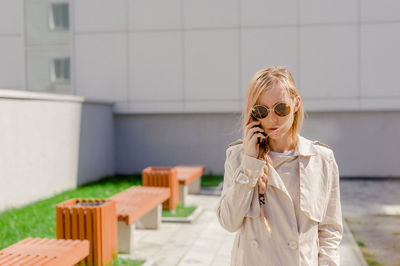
[262,81]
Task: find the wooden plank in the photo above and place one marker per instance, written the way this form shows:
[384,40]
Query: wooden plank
[74,223]
[42,251]
[89,234]
[135,202]
[97,252]
[81,222]
[67,219]
[60,223]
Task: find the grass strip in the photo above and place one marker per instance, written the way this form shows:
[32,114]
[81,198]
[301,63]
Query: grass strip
[211,180]
[180,211]
[127,262]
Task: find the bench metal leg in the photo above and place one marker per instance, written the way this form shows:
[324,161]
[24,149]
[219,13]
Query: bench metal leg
[183,192]
[195,186]
[151,220]
[125,237]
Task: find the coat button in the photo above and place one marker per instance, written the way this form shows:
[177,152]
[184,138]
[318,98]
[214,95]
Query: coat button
[254,244]
[292,245]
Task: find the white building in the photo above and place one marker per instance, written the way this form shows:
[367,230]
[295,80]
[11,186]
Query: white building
[163,82]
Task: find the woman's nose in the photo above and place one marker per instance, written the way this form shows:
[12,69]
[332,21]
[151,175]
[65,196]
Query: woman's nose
[272,117]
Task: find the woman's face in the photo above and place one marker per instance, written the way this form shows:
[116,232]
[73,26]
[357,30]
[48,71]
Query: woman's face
[269,98]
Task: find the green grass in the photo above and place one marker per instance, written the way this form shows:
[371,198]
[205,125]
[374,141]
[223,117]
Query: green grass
[127,262]
[39,219]
[372,262]
[180,211]
[211,180]
[360,243]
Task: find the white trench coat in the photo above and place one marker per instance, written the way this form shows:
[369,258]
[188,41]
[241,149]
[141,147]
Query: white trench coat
[320,216]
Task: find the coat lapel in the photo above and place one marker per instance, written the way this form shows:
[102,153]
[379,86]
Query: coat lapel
[304,150]
[309,188]
[275,180]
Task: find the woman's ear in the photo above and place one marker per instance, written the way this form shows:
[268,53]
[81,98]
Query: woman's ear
[297,103]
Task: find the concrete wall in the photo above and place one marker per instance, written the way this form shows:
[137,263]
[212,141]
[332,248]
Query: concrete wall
[39,143]
[364,143]
[96,149]
[51,143]
[171,139]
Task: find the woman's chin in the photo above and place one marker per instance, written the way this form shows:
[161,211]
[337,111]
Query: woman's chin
[277,135]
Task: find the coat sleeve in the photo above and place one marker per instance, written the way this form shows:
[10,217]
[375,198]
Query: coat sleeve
[330,229]
[239,182]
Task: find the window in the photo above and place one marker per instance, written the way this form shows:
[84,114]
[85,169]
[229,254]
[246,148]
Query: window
[59,16]
[60,70]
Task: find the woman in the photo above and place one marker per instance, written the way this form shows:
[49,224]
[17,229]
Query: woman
[281,191]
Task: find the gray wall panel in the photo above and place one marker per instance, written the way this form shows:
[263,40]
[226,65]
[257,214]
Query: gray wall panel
[364,143]
[96,149]
[144,140]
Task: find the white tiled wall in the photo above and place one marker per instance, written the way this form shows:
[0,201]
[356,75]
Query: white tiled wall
[328,61]
[210,13]
[154,14]
[101,66]
[155,66]
[100,15]
[267,13]
[198,56]
[211,65]
[11,16]
[282,50]
[12,60]
[328,11]
[382,10]
[380,59]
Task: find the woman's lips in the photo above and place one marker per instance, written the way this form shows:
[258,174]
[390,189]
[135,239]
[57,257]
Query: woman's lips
[272,128]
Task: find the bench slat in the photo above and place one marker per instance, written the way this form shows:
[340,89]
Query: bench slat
[134,202]
[187,174]
[31,251]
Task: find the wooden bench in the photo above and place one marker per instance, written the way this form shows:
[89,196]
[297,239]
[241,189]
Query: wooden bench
[189,180]
[43,251]
[138,207]
[163,177]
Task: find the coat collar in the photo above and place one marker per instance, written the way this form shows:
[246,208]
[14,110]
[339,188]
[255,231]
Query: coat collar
[304,147]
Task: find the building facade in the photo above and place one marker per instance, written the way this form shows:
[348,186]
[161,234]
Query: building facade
[177,71]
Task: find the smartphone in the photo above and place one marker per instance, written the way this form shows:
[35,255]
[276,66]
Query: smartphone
[259,141]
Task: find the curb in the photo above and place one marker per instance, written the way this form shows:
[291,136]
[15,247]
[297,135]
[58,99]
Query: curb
[188,219]
[212,191]
[355,249]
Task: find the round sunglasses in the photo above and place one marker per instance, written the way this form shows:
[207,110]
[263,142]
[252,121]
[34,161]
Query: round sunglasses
[261,111]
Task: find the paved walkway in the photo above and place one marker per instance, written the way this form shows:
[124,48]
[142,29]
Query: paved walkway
[370,196]
[204,242]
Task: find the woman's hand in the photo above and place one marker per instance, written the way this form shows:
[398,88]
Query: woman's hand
[250,145]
